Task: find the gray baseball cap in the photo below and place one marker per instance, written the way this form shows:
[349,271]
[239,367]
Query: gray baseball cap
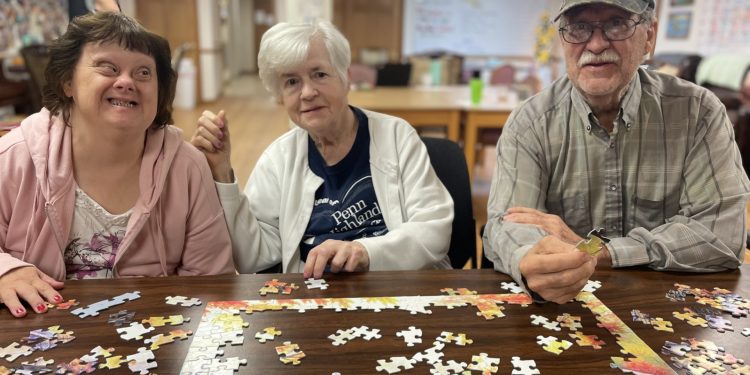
[632,6]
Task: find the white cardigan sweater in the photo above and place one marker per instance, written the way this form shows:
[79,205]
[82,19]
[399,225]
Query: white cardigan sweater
[268,221]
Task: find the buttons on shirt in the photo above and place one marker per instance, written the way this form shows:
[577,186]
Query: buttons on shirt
[588,128]
[612,144]
[613,187]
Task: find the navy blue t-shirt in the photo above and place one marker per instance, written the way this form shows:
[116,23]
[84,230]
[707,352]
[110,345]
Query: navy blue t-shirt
[345,206]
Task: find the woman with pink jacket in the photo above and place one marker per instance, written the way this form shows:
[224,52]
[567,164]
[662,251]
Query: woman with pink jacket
[97,185]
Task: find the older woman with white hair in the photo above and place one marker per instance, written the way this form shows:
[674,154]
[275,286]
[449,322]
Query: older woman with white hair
[346,189]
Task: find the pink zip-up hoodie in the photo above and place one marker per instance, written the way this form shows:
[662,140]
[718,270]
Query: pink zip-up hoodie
[176,227]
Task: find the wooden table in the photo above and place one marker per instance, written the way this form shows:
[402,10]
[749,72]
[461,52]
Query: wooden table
[491,113]
[511,335]
[420,106]
[442,106]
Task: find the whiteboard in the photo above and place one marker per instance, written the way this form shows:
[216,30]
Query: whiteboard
[473,27]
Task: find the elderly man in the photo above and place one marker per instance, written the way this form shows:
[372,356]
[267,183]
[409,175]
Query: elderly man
[648,158]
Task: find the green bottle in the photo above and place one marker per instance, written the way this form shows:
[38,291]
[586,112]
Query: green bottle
[476,85]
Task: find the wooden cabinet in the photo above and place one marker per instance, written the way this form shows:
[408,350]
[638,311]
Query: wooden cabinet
[175,20]
[371,24]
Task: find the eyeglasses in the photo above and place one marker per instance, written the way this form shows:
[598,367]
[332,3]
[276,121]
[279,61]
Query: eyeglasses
[614,30]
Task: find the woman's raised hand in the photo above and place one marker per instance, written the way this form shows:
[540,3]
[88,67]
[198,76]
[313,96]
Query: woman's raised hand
[212,137]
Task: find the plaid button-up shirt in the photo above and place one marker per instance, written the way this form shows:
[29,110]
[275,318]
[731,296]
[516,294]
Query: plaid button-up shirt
[667,184]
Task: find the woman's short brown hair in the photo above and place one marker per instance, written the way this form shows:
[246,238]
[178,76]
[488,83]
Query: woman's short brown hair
[107,27]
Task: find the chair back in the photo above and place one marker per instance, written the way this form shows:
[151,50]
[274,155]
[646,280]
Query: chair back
[394,75]
[36,57]
[449,163]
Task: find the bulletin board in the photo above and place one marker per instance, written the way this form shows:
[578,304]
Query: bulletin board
[725,26]
[704,27]
[473,27]
[28,22]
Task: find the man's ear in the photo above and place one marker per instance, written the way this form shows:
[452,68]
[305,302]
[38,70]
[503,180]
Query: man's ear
[651,33]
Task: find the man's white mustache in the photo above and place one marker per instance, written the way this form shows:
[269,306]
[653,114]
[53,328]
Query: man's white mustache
[608,56]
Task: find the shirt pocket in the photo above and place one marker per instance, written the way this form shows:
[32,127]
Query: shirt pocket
[574,211]
[650,214]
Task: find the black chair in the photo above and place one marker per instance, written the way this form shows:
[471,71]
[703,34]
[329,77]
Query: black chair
[686,63]
[393,75]
[36,57]
[448,160]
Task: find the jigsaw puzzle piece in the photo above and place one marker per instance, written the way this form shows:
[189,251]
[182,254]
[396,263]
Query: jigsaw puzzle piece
[95,308]
[268,333]
[570,322]
[411,336]
[112,362]
[431,355]
[395,364]
[587,340]
[511,287]
[290,353]
[141,362]
[121,318]
[225,366]
[483,362]
[134,331]
[523,366]
[15,350]
[539,320]
[158,340]
[97,352]
[552,344]
[316,284]
[450,367]
[182,301]
[38,366]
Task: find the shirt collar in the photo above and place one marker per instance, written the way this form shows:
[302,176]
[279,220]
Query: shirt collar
[629,104]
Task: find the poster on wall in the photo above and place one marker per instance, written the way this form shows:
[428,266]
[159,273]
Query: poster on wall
[678,25]
[29,22]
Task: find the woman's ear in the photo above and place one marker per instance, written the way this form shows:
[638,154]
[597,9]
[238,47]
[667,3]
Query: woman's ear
[67,89]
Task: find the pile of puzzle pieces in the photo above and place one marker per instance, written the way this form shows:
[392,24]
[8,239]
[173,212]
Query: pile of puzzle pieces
[556,345]
[720,299]
[98,358]
[38,340]
[703,357]
[275,286]
[433,356]
[342,336]
[659,324]
[715,301]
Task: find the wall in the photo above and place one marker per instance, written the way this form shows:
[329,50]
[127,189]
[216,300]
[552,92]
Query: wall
[242,37]
[303,10]
[715,26]
[210,50]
